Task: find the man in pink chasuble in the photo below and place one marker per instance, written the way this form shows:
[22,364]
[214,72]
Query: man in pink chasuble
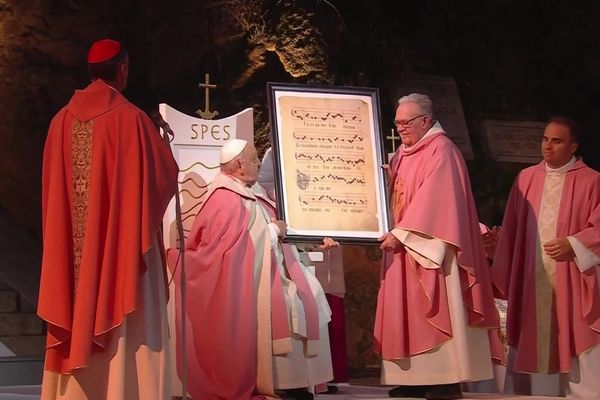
[240,285]
[546,266]
[435,302]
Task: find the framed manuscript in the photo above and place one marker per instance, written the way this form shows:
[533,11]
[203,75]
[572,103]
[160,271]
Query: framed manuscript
[327,154]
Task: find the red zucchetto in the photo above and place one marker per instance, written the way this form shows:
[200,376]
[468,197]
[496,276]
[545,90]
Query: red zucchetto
[103,50]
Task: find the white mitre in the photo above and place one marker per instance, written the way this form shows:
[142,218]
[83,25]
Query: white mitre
[231,150]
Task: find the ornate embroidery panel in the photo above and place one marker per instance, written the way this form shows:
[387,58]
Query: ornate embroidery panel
[81,163]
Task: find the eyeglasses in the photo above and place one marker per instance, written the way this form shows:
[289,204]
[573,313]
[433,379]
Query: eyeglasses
[407,123]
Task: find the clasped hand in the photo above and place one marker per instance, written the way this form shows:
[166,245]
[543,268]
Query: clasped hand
[559,249]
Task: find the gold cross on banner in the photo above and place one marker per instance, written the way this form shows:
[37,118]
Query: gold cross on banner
[393,138]
[207,114]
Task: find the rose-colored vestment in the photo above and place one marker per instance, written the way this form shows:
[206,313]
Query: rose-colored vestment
[432,203]
[573,304]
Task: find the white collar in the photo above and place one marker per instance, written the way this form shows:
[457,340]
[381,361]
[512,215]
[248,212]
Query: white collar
[561,170]
[436,128]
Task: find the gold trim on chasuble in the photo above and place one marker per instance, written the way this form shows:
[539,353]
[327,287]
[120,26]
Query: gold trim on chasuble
[397,199]
[81,163]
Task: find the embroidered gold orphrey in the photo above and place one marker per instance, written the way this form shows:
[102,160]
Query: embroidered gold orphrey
[81,163]
[397,198]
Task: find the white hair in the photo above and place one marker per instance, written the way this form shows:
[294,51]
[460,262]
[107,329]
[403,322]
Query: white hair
[423,101]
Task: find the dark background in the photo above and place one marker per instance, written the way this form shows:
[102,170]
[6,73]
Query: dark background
[511,60]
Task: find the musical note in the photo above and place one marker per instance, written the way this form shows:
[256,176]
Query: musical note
[334,137]
[348,199]
[349,178]
[316,114]
[309,156]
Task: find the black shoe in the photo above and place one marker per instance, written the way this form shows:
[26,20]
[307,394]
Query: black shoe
[331,389]
[409,391]
[299,394]
[449,391]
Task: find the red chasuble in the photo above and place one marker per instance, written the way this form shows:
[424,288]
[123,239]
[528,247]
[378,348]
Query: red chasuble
[107,179]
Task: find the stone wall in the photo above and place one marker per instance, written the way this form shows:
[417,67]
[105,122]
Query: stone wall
[20,328]
[171,45]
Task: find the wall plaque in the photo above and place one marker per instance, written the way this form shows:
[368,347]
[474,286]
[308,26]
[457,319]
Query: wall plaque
[514,141]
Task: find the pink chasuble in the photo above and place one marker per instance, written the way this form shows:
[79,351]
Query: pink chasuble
[431,197]
[300,337]
[227,254]
[574,319]
[280,325]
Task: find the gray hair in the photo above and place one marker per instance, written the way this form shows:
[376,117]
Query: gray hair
[423,101]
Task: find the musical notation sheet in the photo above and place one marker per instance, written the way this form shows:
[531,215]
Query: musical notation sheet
[328,164]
